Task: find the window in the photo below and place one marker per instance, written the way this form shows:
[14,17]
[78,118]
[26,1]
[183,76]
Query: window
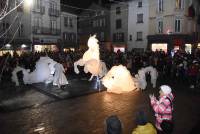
[38,4]
[118,23]
[100,22]
[70,22]
[179,4]
[66,21]
[118,37]
[97,23]
[139,18]
[53,25]
[118,10]
[103,22]
[53,6]
[4,26]
[20,7]
[140,4]
[160,5]
[160,26]
[102,36]
[94,23]
[37,22]
[177,25]
[130,38]
[21,30]
[139,36]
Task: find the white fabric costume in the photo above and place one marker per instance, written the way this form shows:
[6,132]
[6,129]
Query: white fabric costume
[14,74]
[59,76]
[43,72]
[141,76]
[119,80]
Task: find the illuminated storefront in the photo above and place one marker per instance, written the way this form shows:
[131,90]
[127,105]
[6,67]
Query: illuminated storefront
[45,44]
[159,46]
[198,46]
[18,46]
[174,42]
[121,49]
[188,48]
[42,48]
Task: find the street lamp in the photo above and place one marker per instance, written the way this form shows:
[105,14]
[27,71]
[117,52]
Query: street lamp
[28,3]
[23,46]
[7,45]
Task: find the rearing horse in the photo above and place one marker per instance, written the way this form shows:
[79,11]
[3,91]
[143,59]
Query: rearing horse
[91,60]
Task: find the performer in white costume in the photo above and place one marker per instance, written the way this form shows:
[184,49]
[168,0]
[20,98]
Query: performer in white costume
[59,76]
[43,72]
[119,80]
[141,76]
[14,74]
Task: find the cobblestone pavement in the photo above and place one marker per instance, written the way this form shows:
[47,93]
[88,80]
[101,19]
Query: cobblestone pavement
[86,114]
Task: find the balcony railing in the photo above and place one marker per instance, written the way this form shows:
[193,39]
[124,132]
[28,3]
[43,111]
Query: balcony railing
[54,12]
[45,31]
[40,10]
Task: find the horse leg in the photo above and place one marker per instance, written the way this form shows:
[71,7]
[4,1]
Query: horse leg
[80,62]
[76,68]
[91,77]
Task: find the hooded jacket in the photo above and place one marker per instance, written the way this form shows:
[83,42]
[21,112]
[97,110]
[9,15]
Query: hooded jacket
[145,129]
[163,108]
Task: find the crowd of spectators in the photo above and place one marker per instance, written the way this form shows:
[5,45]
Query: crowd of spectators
[181,67]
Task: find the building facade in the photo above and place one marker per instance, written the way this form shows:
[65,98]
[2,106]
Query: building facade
[172,25]
[40,26]
[138,22]
[45,25]
[95,20]
[68,29]
[13,33]
[119,25]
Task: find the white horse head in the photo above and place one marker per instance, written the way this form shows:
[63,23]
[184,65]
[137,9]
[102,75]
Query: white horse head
[93,43]
[93,49]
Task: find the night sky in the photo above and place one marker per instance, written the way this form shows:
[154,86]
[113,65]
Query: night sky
[84,3]
[80,3]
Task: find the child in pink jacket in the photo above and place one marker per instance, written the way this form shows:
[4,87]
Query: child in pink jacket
[163,107]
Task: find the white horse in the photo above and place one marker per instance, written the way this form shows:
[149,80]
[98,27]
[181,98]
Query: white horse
[141,76]
[91,60]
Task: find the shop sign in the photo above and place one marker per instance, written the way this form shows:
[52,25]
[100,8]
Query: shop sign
[178,42]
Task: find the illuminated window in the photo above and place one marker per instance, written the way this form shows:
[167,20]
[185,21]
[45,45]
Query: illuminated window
[188,48]
[159,46]
[198,46]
